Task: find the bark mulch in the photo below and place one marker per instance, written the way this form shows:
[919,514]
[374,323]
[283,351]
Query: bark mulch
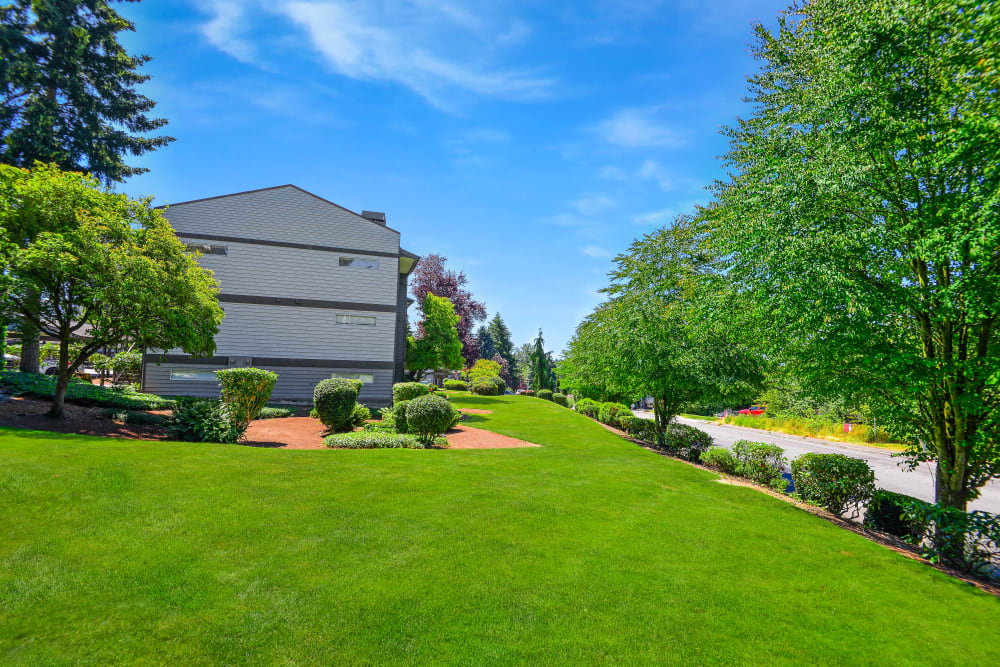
[30,414]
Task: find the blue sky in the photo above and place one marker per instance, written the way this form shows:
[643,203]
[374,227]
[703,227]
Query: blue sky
[527,142]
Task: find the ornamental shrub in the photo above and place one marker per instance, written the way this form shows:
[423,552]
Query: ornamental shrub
[833,481]
[544,394]
[456,385]
[202,421]
[887,511]
[360,415]
[334,400]
[127,363]
[274,412]
[611,413]
[81,393]
[429,416]
[686,441]
[483,368]
[966,541]
[721,459]
[245,391]
[396,417]
[559,398]
[588,407]
[372,440]
[529,392]
[489,386]
[761,463]
[640,429]
[407,391]
[135,417]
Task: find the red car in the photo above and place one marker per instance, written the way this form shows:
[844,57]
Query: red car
[754,410]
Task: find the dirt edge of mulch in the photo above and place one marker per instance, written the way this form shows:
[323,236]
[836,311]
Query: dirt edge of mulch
[891,542]
[475,411]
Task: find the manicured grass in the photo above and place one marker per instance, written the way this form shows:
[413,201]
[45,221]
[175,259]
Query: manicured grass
[588,549]
[701,417]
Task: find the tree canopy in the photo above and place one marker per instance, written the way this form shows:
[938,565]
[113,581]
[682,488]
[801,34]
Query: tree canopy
[431,277]
[438,348]
[861,220]
[79,262]
[68,89]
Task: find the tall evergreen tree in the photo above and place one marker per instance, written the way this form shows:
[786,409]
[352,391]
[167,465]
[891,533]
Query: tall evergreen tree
[541,376]
[68,89]
[503,346]
[485,346]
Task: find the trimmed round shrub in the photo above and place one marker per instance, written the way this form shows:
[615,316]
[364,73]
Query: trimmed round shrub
[611,413]
[761,463]
[360,415]
[588,407]
[456,385]
[429,416]
[245,391]
[721,459]
[372,440]
[544,394]
[686,441]
[407,391]
[334,400]
[489,386]
[833,481]
[559,398]
[639,428]
[892,513]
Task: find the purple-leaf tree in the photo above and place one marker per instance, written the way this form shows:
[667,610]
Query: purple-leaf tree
[504,371]
[432,276]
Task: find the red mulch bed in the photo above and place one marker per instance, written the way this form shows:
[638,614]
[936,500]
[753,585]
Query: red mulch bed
[30,414]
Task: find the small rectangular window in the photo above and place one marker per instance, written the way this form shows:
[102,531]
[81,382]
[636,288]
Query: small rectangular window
[195,375]
[359,263]
[359,320]
[207,249]
[366,378]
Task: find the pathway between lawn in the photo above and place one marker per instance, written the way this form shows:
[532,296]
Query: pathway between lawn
[889,475]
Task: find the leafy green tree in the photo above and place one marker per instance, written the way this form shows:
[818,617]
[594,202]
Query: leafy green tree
[69,89]
[75,257]
[541,372]
[483,368]
[439,349]
[862,219]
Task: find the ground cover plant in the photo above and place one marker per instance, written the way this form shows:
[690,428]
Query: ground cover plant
[80,392]
[586,549]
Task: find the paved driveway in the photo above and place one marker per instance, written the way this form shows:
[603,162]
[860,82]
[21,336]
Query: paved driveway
[888,473]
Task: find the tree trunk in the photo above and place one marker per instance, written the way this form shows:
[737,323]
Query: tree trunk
[57,411]
[29,350]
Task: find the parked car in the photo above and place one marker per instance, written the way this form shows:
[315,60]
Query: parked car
[51,368]
[754,410]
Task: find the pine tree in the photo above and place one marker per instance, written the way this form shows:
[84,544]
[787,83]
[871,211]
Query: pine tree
[485,343]
[68,89]
[541,376]
[503,346]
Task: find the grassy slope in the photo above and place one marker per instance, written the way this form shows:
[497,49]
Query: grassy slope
[586,550]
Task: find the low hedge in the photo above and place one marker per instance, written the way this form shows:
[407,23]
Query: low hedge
[334,400]
[407,391]
[588,407]
[833,481]
[488,386]
[429,416]
[686,441]
[372,440]
[720,459]
[456,385]
[761,463]
[887,511]
[611,413]
[544,394]
[81,393]
[640,429]
[275,412]
[559,398]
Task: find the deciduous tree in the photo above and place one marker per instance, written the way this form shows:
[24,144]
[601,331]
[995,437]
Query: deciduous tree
[438,348]
[431,277]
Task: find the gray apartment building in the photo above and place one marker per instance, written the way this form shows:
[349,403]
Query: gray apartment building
[310,291]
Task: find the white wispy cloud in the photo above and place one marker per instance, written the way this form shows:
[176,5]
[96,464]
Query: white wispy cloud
[595,251]
[592,205]
[638,128]
[612,173]
[437,49]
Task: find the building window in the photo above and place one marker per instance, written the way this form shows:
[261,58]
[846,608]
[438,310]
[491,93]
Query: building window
[195,375]
[207,249]
[366,378]
[359,263]
[361,320]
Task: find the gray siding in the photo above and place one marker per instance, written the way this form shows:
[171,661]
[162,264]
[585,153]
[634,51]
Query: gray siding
[281,214]
[294,384]
[401,306]
[260,270]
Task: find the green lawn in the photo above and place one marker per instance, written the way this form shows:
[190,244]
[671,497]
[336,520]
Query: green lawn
[586,550]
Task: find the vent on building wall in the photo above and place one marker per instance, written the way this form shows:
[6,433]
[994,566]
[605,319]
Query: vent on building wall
[374,216]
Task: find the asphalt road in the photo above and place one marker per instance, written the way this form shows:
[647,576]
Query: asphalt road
[888,473]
